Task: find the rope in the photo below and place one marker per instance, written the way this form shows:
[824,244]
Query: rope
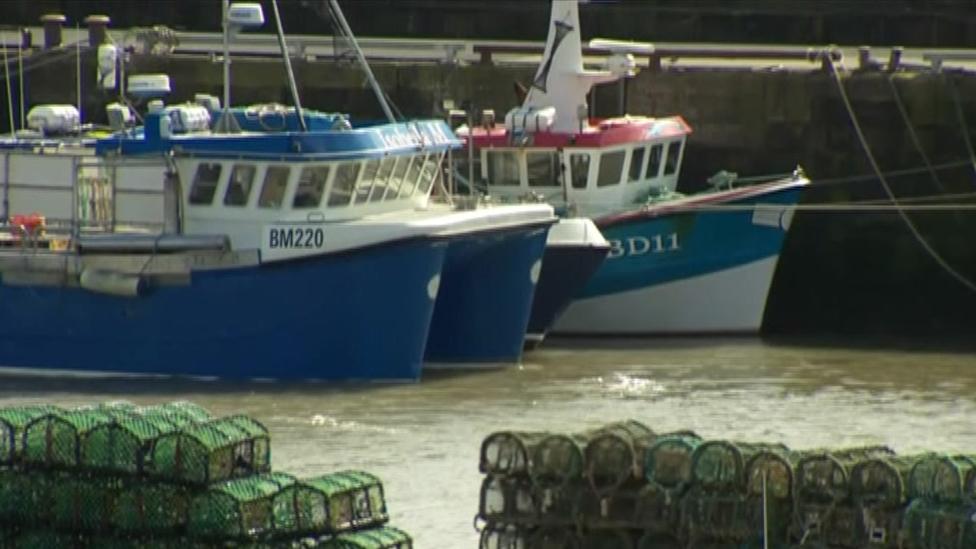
[884,183]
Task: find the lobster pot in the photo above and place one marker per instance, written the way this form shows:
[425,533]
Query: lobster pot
[239,509]
[882,481]
[829,523]
[41,539]
[614,511]
[932,524]
[84,504]
[508,452]
[507,500]
[215,451]
[556,460]
[735,517]
[615,454]
[13,421]
[115,408]
[26,498]
[504,536]
[558,506]
[823,476]
[943,478]
[721,465]
[554,537]
[657,511]
[769,473]
[104,542]
[151,508]
[386,537]
[330,504]
[607,539]
[651,540]
[667,462]
[179,413]
[123,445]
[54,440]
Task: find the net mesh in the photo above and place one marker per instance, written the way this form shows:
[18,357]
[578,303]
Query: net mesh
[330,504]
[83,504]
[667,463]
[557,460]
[721,464]
[507,452]
[13,421]
[930,523]
[614,454]
[824,475]
[239,509]
[881,481]
[54,440]
[386,537]
[943,478]
[151,508]
[218,450]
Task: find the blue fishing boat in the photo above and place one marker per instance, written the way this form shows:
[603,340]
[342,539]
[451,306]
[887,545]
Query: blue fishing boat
[320,253]
[677,264]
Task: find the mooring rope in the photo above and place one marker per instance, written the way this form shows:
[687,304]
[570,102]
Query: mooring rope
[962,121]
[911,131]
[884,183]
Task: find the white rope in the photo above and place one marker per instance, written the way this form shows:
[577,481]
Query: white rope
[884,183]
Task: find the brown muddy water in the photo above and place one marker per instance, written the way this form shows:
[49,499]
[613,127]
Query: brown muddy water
[423,439]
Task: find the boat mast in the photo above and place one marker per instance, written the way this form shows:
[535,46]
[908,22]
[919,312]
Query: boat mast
[344,26]
[291,74]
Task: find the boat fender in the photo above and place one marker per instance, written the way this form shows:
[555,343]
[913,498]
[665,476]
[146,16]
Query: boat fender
[112,283]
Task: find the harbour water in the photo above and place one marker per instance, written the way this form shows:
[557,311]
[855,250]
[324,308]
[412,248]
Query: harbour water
[423,439]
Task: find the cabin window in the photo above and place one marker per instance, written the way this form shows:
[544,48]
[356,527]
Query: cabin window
[311,187]
[205,183]
[671,163]
[366,181]
[503,168]
[398,174]
[654,162]
[636,163]
[579,168]
[382,178]
[542,169]
[611,168]
[428,174]
[239,185]
[411,180]
[342,185]
[273,188]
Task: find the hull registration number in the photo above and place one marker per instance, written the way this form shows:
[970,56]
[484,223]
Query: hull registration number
[296,237]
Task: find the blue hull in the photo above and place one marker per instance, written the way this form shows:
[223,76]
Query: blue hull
[565,272]
[326,317]
[485,297]
[647,250]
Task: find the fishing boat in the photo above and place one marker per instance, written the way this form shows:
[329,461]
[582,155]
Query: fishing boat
[677,264]
[296,254]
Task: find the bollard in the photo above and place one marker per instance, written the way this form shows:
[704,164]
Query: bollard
[96,29]
[864,61]
[895,58]
[26,39]
[52,29]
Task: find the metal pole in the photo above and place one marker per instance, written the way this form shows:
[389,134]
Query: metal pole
[20,79]
[226,8]
[78,69]
[765,516]
[471,190]
[291,75]
[10,97]
[341,19]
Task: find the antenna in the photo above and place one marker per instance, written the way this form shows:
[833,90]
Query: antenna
[78,68]
[236,17]
[10,97]
[291,75]
[341,19]
[20,79]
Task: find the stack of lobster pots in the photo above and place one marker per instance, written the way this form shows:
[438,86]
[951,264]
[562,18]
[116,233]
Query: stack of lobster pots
[170,476]
[622,486]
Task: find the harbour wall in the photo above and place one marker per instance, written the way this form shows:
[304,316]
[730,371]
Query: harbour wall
[843,271]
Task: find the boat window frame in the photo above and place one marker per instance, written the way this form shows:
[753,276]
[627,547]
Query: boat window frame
[233,183]
[601,181]
[554,162]
[206,186]
[413,176]
[266,200]
[654,161]
[632,176]
[574,175]
[366,179]
[383,178]
[515,161]
[672,161]
[320,183]
[398,176]
[341,167]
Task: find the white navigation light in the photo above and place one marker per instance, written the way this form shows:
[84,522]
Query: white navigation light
[622,64]
[245,15]
[54,119]
[108,56]
[145,86]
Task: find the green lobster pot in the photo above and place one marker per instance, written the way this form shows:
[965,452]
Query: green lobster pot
[607,539]
[507,452]
[657,510]
[179,413]
[151,508]
[509,500]
[239,509]
[123,445]
[733,516]
[721,465]
[46,540]
[498,535]
[667,462]
[557,460]
[934,524]
[554,537]
[84,504]
[330,504]
[205,453]
[650,540]
[13,421]
[22,497]
[824,475]
[614,454]
[386,537]
[769,473]
[54,440]
[882,481]
[943,478]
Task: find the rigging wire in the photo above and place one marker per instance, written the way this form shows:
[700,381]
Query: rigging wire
[911,131]
[962,120]
[961,278]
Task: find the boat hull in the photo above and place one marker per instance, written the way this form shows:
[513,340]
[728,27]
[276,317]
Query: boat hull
[485,298]
[313,318]
[574,251]
[700,267]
